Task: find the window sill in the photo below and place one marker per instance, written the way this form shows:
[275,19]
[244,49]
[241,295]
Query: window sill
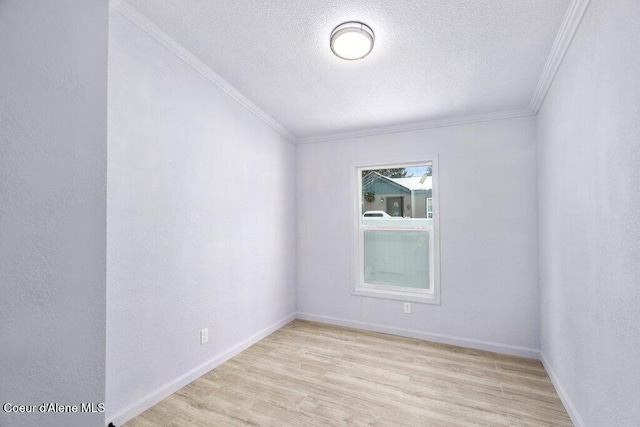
[400,296]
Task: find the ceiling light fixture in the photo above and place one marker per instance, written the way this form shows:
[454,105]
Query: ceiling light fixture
[352,40]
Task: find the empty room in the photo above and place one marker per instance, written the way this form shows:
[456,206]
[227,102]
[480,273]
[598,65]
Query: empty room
[318,213]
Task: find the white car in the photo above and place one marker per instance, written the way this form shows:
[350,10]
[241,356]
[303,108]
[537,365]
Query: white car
[376,214]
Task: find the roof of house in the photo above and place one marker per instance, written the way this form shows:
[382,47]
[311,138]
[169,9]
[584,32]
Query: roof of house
[413,182]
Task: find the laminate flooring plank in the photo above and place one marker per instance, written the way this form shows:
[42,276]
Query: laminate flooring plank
[311,374]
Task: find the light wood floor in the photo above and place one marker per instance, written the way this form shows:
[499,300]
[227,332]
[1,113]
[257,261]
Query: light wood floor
[311,374]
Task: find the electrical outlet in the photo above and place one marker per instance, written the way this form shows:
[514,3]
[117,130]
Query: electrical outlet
[204,335]
[407,308]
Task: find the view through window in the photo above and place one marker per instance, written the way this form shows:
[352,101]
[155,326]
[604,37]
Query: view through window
[396,229]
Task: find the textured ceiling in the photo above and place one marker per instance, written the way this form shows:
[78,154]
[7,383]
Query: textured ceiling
[432,60]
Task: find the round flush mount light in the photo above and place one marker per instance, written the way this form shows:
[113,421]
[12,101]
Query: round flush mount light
[352,40]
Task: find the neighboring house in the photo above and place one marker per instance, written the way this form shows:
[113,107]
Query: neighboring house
[404,197]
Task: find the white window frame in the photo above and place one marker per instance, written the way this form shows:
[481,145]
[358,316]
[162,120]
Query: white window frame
[395,292]
[426,207]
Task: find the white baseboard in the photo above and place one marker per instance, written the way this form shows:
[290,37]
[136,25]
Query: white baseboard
[566,401]
[168,389]
[445,339]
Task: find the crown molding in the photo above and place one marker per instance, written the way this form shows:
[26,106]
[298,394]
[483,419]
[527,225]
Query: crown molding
[142,22]
[568,29]
[456,121]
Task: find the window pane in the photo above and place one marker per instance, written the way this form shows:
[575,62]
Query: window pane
[397,258]
[399,192]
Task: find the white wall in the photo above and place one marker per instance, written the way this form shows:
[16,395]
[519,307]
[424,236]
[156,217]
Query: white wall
[201,220]
[488,231]
[53,166]
[589,182]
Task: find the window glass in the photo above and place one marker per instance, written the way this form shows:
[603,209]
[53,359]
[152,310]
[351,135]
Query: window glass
[397,259]
[396,228]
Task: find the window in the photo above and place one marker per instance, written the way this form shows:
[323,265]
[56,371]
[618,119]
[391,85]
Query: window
[397,232]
